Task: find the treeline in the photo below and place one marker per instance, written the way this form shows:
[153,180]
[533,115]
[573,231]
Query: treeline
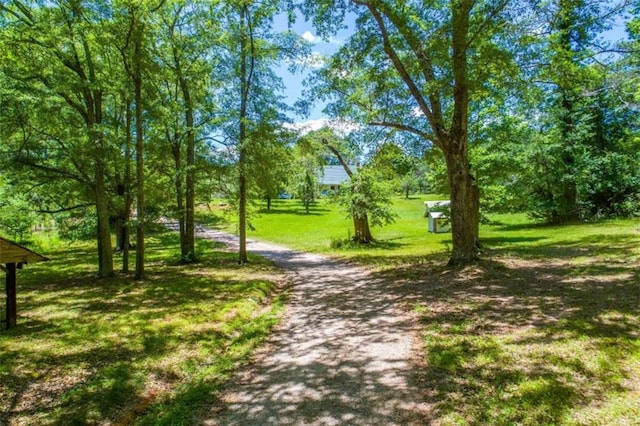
[121,106]
[114,107]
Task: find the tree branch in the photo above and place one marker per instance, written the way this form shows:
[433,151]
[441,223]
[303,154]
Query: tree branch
[66,209]
[335,152]
[485,23]
[404,127]
[52,170]
[397,62]
[417,46]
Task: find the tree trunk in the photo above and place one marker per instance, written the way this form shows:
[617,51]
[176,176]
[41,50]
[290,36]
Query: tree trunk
[177,159]
[465,196]
[268,203]
[188,247]
[128,199]
[245,84]
[569,205]
[137,80]
[362,231]
[465,209]
[190,223]
[360,224]
[105,250]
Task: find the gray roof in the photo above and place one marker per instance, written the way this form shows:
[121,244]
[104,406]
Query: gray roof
[335,175]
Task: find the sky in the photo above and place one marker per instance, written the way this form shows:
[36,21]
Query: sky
[294,82]
[319,47]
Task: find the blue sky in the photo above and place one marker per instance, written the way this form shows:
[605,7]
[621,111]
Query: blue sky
[320,47]
[294,82]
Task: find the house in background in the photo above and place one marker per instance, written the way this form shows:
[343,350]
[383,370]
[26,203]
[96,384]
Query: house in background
[333,177]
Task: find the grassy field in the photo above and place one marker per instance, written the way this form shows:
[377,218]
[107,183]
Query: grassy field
[407,240]
[114,351]
[545,330]
[326,227]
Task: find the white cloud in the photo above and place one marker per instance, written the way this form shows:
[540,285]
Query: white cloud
[308,36]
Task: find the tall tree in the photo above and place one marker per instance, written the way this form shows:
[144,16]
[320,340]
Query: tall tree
[571,79]
[255,110]
[185,56]
[358,201]
[138,39]
[415,67]
[247,66]
[54,55]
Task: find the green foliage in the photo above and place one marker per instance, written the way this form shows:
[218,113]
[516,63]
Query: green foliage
[610,185]
[366,194]
[16,216]
[76,226]
[403,171]
[124,351]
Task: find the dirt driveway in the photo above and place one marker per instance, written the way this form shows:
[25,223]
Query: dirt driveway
[345,353]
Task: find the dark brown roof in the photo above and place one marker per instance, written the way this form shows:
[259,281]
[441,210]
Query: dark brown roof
[11,252]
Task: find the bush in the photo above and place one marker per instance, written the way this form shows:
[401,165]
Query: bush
[609,185]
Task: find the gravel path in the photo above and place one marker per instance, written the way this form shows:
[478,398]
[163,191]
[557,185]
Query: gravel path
[343,354]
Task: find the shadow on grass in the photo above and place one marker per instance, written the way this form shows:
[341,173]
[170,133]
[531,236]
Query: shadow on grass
[604,245]
[522,341]
[87,351]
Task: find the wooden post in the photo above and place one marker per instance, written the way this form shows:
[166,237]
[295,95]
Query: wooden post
[12,304]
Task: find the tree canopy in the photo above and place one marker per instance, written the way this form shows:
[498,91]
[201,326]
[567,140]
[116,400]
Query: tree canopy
[114,113]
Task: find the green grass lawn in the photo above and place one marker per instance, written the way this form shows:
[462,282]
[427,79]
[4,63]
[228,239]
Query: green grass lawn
[90,351]
[544,330]
[407,240]
[326,227]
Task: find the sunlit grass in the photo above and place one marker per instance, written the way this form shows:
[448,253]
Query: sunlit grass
[408,240]
[521,345]
[90,351]
[545,330]
[288,224]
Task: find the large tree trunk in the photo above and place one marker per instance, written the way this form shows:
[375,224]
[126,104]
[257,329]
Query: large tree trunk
[465,209]
[465,204]
[105,250]
[92,98]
